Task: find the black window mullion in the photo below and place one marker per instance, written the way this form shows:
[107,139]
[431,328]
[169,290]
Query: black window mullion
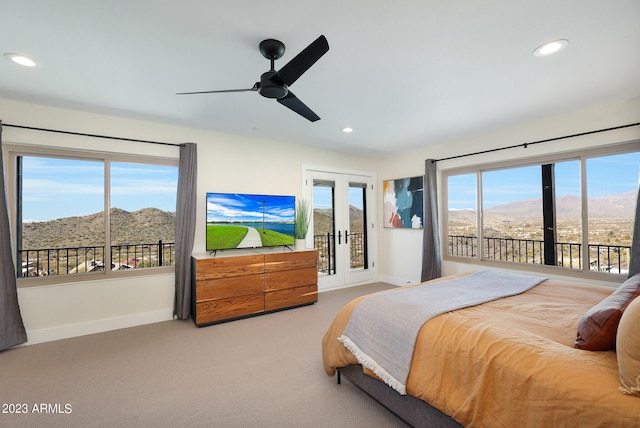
[549,215]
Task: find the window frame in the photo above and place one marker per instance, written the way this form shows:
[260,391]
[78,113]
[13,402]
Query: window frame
[576,155]
[106,158]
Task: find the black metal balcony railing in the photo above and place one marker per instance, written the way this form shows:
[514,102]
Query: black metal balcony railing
[357,251]
[66,261]
[602,258]
[325,244]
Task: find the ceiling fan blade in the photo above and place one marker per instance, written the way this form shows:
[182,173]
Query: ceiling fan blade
[290,72]
[254,88]
[292,102]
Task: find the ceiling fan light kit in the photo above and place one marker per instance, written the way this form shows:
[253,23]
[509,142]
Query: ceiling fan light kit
[275,84]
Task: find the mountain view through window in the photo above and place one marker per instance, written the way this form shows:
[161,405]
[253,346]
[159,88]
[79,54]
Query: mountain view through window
[61,211]
[578,226]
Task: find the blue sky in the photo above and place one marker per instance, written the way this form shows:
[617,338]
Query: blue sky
[56,188]
[242,208]
[51,188]
[605,176]
[322,197]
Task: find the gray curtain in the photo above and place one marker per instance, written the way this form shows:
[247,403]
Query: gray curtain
[185,228]
[12,330]
[634,264]
[431,259]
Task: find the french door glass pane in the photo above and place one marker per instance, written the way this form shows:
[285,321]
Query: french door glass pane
[324,225]
[357,229]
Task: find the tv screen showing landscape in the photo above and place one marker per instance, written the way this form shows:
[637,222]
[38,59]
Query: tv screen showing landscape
[236,220]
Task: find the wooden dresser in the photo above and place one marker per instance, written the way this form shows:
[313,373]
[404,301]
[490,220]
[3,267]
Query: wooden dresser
[229,287]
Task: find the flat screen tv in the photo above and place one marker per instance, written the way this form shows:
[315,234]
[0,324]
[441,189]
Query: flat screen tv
[237,220]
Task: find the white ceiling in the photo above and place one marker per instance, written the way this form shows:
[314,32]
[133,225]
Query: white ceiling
[403,74]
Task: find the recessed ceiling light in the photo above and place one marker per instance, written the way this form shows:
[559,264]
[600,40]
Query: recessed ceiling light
[551,47]
[347,130]
[20,59]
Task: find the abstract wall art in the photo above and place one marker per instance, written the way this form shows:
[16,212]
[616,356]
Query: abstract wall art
[403,203]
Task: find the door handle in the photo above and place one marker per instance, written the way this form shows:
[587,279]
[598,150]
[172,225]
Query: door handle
[339,236]
[346,237]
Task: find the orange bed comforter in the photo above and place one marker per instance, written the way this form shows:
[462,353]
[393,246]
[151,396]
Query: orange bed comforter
[511,362]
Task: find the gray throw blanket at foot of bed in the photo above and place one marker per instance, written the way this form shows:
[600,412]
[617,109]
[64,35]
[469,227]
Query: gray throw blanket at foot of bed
[383,328]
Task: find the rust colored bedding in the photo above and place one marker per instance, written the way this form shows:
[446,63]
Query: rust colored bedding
[511,362]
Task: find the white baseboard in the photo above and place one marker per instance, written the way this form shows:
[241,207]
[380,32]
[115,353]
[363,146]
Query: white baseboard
[396,281]
[96,326]
[355,284]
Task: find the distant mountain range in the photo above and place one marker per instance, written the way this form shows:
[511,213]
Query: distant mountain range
[323,220]
[145,226]
[567,207]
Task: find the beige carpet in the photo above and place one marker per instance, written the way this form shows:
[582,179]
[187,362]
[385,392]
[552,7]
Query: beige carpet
[264,371]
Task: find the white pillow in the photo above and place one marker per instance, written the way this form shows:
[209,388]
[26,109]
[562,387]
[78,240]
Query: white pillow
[628,349]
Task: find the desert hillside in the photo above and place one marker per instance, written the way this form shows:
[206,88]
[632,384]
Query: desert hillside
[145,226]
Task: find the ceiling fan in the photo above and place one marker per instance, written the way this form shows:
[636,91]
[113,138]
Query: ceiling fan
[275,84]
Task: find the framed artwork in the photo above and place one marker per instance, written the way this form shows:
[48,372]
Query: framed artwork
[403,203]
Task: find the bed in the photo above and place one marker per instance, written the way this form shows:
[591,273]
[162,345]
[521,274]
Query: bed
[511,361]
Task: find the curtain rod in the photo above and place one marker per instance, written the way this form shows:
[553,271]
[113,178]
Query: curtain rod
[525,145]
[91,135]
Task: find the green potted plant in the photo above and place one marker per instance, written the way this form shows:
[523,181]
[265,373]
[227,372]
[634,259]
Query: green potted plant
[301,221]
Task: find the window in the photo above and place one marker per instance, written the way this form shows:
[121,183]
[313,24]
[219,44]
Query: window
[511,214]
[575,212]
[62,227]
[143,215]
[612,189]
[462,218]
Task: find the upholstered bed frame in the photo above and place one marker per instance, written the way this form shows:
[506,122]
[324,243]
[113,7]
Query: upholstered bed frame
[411,410]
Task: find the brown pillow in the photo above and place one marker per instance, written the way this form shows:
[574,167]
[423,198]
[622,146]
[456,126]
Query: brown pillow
[598,327]
[628,349]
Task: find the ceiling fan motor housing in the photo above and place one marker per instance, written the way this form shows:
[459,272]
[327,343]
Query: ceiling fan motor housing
[271,49]
[271,89]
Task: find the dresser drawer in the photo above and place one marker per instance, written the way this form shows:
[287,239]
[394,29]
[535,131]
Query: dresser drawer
[228,287]
[225,267]
[288,261]
[291,297]
[290,278]
[223,309]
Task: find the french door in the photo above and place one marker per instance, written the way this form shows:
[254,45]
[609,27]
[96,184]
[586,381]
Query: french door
[341,226]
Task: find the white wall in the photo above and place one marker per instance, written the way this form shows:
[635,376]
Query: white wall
[232,164]
[400,251]
[225,163]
